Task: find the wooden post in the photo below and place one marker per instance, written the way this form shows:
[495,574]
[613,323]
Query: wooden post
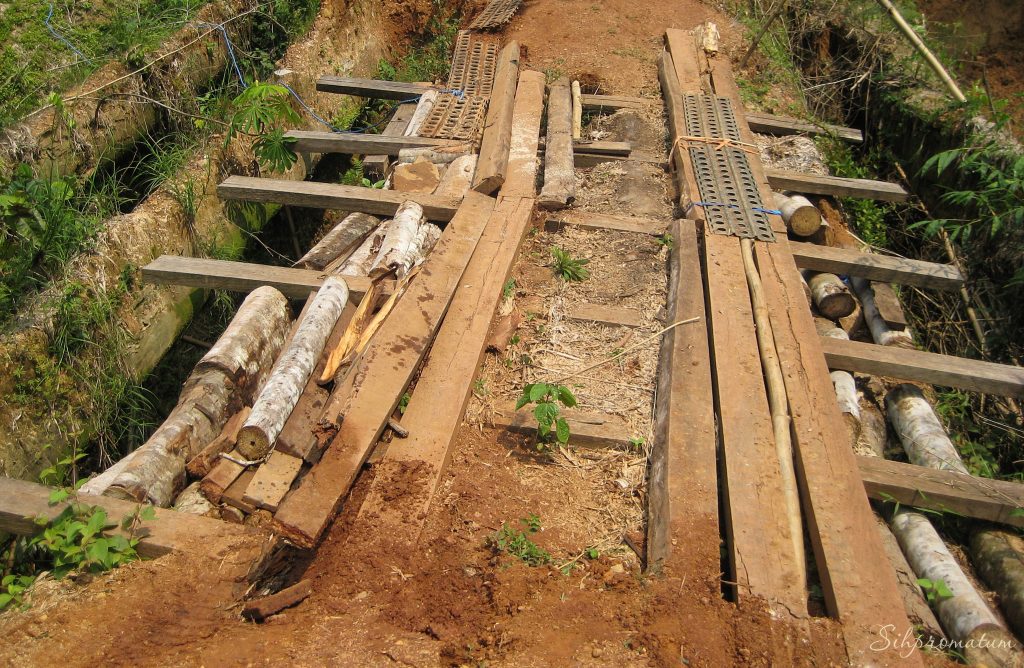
[493,161]
[831,295]
[559,175]
[577,111]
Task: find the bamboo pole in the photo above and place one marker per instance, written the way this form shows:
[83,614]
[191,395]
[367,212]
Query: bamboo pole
[923,49]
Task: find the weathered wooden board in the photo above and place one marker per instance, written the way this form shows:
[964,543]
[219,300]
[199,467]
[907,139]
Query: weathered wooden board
[924,367]
[944,491]
[600,221]
[889,308]
[315,141]
[272,481]
[770,124]
[612,103]
[605,314]
[587,429]
[199,272]
[375,89]
[883,268]
[492,164]
[376,165]
[383,374]
[781,179]
[21,502]
[316,195]
[616,148]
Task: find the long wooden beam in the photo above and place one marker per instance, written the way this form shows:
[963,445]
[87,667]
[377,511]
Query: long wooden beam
[599,221]
[312,141]
[944,491]
[782,179]
[371,88]
[882,268]
[770,124]
[196,272]
[492,163]
[924,367]
[21,502]
[316,195]
[612,103]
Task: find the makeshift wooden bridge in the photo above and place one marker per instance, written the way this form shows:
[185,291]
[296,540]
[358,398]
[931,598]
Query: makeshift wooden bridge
[715,459]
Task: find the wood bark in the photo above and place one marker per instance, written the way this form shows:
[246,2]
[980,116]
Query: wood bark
[458,177]
[201,464]
[426,237]
[492,166]
[920,431]
[259,609]
[224,380]
[423,108]
[289,376]
[191,500]
[880,332]
[920,614]
[359,263]
[873,436]
[831,295]
[998,557]
[398,248]
[559,188]
[340,242]
[577,111]
[801,217]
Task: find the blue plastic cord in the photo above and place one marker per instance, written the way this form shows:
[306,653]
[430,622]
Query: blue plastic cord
[736,206]
[62,38]
[231,49]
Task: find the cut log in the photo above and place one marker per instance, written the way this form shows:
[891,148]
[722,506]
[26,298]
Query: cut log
[921,616]
[494,148]
[423,108]
[292,370]
[457,178]
[577,110]
[559,175]
[361,259]
[831,295]
[874,435]
[259,609]
[426,237]
[845,386]
[398,248]
[201,464]
[191,500]
[801,217]
[920,431]
[998,557]
[880,332]
[224,380]
[340,242]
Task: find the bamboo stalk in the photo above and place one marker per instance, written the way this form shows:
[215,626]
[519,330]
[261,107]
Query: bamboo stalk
[923,49]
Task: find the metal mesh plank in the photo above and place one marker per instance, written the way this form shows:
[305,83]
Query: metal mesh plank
[732,201]
[461,116]
[496,14]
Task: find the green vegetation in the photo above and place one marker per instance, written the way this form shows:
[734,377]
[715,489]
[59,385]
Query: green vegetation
[263,110]
[430,58]
[516,543]
[568,267]
[934,590]
[546,398]
[867,217]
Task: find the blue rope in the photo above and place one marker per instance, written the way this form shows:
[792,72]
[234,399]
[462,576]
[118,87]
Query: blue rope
[735,206]
[62,38]
[231,50]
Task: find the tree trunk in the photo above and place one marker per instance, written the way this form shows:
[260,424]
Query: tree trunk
[423,109]
[191,500]
[398,249]
[874,435]
[559,188]
[846,390]
[998,557]
[340,242]
[426,237]
[361,259]
[224,380]
[459,175]
[831,295]
[880,332]
[921,616]
[292,370]
[920,431]
[801,217]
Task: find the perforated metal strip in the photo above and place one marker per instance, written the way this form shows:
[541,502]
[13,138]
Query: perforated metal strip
[496,14]
[461,115]
[729,194]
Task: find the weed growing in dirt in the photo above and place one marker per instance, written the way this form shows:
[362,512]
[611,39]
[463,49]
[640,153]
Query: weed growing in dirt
[508,289]
[667,241]
[262,109]
[568,267]
[428,60]
[514,542]
[546,398]
[867,216]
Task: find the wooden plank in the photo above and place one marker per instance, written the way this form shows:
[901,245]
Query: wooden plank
[682,485]
[526,122]
[781,179]
[889,308]
[770,124]
[492,165]
[761,560]
[376,165]
[605,314]
[874,267]
[170,531]
[944,491]
[272,481]
[616,148]
[223,474]
[587,429]
[858,582]
[383,374]
[315,195]
[199,272]
[612,103]
[314,141]
[234,495]
[600,221]
[924,367]
[587,160]
[375,89]
[559,174]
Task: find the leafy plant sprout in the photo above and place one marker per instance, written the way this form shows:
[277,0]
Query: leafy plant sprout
[546,399]
[568,267]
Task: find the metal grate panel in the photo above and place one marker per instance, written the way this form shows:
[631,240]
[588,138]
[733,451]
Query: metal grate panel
[496,14]
[473,65]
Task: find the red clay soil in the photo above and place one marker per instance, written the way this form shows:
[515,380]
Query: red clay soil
[448,598]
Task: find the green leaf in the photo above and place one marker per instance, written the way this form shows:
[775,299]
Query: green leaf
[538,391]
[148,513]
[5,600]
[562,430]
[523,400]
[566,396]
[545,412]
[58,495]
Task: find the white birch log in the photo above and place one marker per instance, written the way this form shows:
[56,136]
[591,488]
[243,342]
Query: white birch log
[846,390]
[801,217]
[426,237]
[438,155]
[290,374]
[831,295]
[880,332]
[340,242]
[398,249]
[920,431]
[224,380]
[361,259]
[191,500]
[423,109]
[99,483]
[577,111]
[457,178]
[998,557]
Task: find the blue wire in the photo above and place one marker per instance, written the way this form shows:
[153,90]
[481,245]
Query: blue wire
[736,206]
[62,38]
[231,50]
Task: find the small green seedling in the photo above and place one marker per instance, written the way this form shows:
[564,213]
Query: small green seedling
[667,241]
[516,543]
[568,267]
[546,398]
[508,289]
[377,185]
[935,590]
[403,403]
[637,442]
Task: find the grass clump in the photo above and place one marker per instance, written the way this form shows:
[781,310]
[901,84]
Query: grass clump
[569,268]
